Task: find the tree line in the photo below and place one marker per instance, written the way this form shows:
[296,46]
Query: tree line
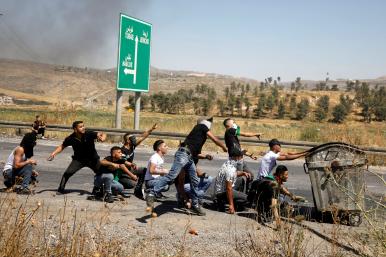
[270,99]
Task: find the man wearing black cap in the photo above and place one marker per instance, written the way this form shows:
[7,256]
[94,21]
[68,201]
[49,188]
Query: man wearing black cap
[185,158]
[227,186]
[19,164]
[268,162]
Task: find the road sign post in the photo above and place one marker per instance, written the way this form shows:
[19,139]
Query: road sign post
[118,110]
[133,69]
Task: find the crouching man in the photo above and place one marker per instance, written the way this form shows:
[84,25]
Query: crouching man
[104,178]
[227,184]
[20,164]
[266,194]
[155,167]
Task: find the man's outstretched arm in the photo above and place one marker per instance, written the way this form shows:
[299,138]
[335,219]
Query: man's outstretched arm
[216,141]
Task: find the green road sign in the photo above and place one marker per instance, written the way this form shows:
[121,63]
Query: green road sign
[133,69]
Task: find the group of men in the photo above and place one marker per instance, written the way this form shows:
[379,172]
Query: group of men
[235,185]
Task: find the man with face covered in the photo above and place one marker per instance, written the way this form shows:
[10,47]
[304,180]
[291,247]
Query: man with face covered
[232,131]
[19,164]
[85,154]
[185,158]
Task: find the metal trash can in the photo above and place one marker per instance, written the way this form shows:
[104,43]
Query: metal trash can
[336,172]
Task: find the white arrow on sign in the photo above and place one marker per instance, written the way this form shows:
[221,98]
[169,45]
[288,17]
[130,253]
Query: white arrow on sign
[134,71]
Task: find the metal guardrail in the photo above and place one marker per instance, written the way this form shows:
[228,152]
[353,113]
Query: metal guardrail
[181,136]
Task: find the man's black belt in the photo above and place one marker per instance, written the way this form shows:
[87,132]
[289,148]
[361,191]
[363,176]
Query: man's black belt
[185,150]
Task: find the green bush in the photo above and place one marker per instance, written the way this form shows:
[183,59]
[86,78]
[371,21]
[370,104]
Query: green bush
[310,134]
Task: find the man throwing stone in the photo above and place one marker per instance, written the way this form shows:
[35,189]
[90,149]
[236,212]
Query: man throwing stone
[85,154]
[184,158]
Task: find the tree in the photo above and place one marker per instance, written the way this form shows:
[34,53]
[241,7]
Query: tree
[334,87]
[339,113]
[281,110]
[380,104]
[275,95]
[233,86]
[256,91]
[239,105]
[292,86]
[302,109]
[270,103]
[349,85]
[221,107]
[362,93]
[347,102]
[298,84]
[247,88]
[259,111]
[293,104]
[247,105]
[322,106]
[226,92]
[231,103]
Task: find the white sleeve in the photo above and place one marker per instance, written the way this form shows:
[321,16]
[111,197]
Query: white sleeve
[275,156]
[154,159]
[230,174]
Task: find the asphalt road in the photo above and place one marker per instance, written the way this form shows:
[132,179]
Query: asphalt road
[51,171]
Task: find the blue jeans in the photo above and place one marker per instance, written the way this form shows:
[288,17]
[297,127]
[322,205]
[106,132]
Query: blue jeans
[24,172]
[203,186]
[109,184]
[151,183]
[182,160]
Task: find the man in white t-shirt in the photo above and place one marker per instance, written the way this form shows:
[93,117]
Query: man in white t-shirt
[155,167]
[268,162]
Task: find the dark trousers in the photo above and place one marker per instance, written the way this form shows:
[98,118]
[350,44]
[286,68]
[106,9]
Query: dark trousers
[74,166]
[128,183]
[239,199]
[247,182]
[41,131]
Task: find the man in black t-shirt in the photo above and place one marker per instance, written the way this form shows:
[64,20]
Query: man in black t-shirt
[85,154]
[130,142]
[232,131]
[39,126]
[185,158]
[105,175]
[264,194]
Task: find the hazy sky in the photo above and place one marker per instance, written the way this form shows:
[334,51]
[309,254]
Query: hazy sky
[255,39]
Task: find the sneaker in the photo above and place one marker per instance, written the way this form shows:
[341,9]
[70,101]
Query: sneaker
[139,193]
[24,191]
[161,196]
[43,137]
[108,198]
[124,194]
[196,209]
[97,192]
[60,191]
[150,201]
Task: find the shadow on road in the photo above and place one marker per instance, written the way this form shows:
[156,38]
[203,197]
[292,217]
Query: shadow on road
[165,206]
[67,191]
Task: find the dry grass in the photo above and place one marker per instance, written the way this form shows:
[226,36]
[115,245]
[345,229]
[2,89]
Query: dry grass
[357,133]
[29,228]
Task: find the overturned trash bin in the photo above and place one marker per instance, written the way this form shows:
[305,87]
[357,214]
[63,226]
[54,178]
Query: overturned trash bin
[336,172]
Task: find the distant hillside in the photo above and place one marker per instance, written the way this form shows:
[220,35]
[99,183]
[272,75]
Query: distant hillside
[53,83]
[30,82]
